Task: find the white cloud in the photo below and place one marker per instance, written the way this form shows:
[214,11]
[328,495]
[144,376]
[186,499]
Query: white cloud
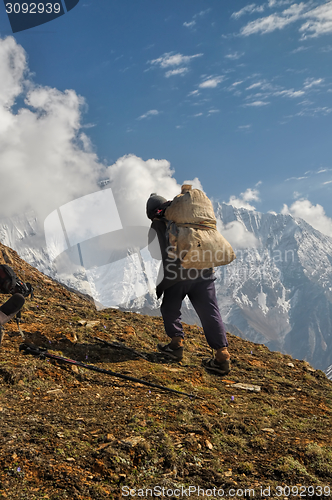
[245,127]
[148,114]
[318,20]
[196,183]
[327,182]
[312,82]
[237,234]
[42,143]
[243,200]
[290,93]
[89,125]
[268,90]
[248,9]
[319,110]
[255,85]
[312,214]
[235,55]
[178,71]
[212,111]
[194,92]
[191,24]
[305,102]
[299,49]
[235,84]
[296,178]
[13,67]
[251,194]
[170,59]
[322,170]
[266,25]
[133,180]
[257,103]
[295,10]
[202,13]
[278,3]
[211,83]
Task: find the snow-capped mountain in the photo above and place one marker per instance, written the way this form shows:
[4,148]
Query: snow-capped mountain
[281,292]
[328,372]
[277,292]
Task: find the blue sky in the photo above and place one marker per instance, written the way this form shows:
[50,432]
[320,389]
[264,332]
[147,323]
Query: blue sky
[237,94]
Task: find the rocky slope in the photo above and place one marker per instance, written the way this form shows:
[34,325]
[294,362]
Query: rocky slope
[66,432]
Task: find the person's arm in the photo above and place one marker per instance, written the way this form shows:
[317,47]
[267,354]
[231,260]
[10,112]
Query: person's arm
[157,239]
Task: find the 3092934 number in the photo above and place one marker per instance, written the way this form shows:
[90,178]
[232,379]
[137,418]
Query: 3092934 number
[303,491]
[33,8]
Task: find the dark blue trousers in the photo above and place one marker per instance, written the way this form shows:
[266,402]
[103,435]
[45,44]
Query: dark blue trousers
[202,295]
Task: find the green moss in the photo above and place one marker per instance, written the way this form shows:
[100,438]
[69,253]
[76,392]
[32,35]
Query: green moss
[258,442]
[290,468]
[246,467]
[233,442]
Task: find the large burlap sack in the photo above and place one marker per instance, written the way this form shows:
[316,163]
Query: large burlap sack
[191,206]
[192,233]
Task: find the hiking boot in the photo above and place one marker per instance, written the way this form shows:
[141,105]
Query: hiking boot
[222,355]
[221,364]
[212,365]
[173,350]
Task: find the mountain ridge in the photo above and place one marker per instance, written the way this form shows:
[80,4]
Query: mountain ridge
[67,432]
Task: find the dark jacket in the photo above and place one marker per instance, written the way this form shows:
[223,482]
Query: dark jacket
[170,271]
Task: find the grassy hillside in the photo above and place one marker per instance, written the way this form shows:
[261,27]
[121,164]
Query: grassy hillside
[66,432]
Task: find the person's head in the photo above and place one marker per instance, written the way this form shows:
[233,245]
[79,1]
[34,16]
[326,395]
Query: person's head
[153,204]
